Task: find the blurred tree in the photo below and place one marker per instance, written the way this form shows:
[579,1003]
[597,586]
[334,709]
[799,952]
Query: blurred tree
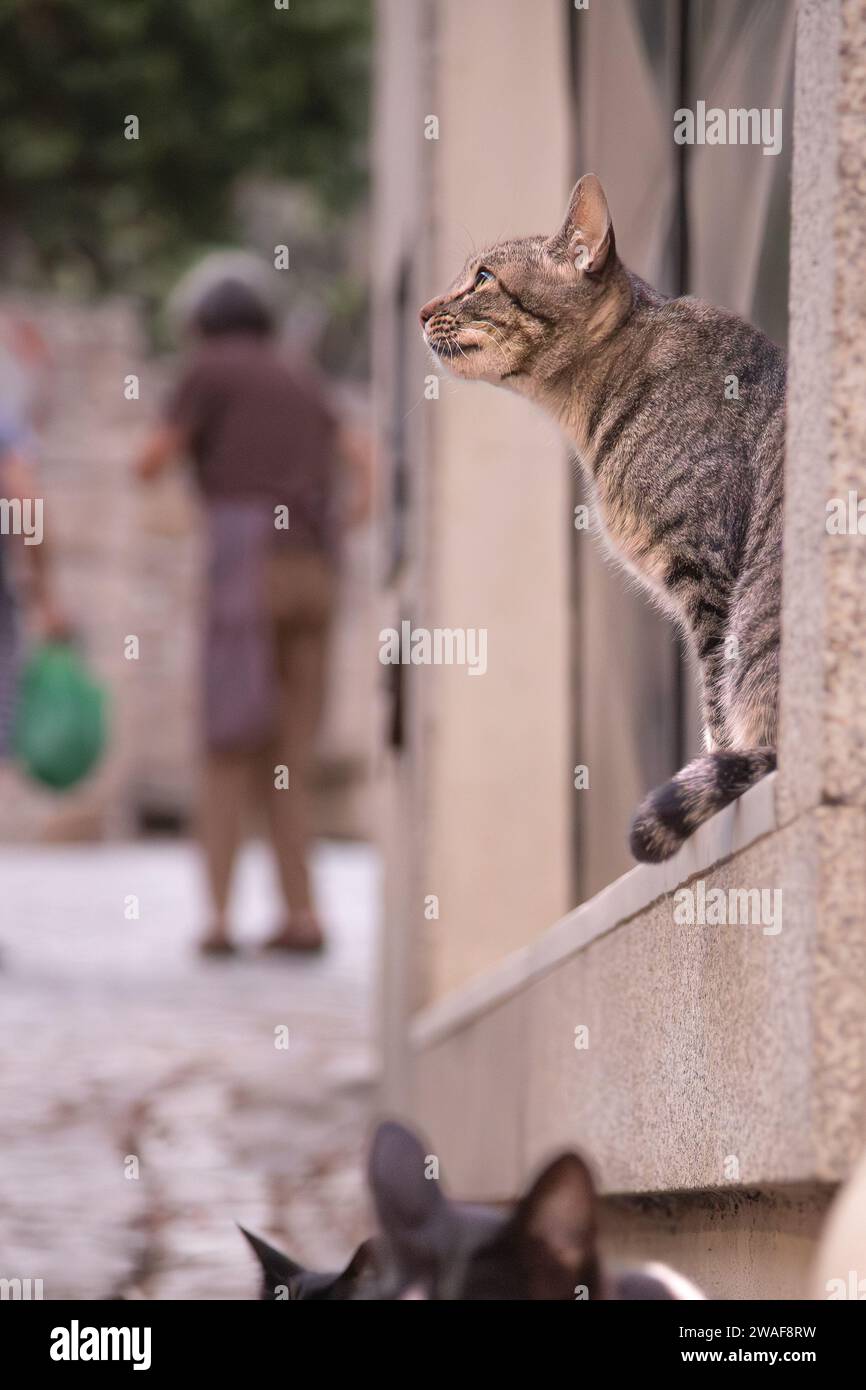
[222,89]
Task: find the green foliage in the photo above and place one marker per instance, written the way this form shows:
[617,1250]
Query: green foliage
[223,90]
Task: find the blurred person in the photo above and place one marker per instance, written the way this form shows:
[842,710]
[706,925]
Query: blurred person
[24,369]
[9,611]
[26,592]
[265,445]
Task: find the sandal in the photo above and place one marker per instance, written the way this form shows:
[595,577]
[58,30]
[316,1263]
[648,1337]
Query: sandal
[301,934]
[216,946]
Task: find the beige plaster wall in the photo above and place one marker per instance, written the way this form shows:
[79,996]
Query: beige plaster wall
[496,833]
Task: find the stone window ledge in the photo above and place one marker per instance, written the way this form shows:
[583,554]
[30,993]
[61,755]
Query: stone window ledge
[739,825]
[683,1057]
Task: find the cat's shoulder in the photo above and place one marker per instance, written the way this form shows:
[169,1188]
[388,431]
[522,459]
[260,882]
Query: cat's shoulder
[700,331]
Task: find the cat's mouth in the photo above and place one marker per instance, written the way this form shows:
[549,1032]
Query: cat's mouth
[458,353]
[450,347]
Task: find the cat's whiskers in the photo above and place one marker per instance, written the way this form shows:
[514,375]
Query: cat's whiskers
[446,346]
[460,349]
[478,327]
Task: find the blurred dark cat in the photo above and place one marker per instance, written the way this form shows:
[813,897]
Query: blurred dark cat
[544,1248]
[433,1249]
[677,412]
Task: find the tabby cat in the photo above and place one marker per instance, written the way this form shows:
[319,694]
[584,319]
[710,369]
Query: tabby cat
[686,484]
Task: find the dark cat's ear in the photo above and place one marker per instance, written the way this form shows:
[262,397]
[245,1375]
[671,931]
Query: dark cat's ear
[406,1194]
[586,235]
[555,1227]
[277,1269]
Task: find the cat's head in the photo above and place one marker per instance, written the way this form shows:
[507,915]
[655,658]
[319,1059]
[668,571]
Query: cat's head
[543,1248]
[523,311]
[283,1279]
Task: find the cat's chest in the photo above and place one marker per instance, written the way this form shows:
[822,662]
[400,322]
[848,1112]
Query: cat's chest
[632,534]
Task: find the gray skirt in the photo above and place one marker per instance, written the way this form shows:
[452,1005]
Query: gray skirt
[240,678]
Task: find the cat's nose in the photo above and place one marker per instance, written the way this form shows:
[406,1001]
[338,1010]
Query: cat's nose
[428,311]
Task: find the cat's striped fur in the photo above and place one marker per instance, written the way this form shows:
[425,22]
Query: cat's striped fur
[687,483]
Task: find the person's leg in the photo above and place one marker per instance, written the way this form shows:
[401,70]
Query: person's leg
[289,808]
[224,792]
[302,647]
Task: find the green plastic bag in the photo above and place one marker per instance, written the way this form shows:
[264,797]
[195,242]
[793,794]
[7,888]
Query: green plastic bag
[59,729]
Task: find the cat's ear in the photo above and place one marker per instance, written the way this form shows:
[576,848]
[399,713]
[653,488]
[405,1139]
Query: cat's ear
[277,1269]
[555,1226]
[403,1180]
[586,235]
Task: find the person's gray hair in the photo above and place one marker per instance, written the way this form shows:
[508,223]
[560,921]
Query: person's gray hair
[242,268]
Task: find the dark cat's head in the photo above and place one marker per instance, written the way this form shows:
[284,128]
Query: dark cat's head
[524,311]
[283,1279]
[543,1248]
[433,1248]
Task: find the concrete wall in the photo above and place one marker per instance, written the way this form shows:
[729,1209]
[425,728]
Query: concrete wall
[753,1243]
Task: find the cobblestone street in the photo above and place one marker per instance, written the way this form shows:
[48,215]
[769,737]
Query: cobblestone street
[121,1050]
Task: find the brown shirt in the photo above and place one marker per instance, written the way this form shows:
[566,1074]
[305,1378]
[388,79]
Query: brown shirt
[260,429]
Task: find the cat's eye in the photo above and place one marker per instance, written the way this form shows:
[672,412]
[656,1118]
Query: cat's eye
[482,278]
